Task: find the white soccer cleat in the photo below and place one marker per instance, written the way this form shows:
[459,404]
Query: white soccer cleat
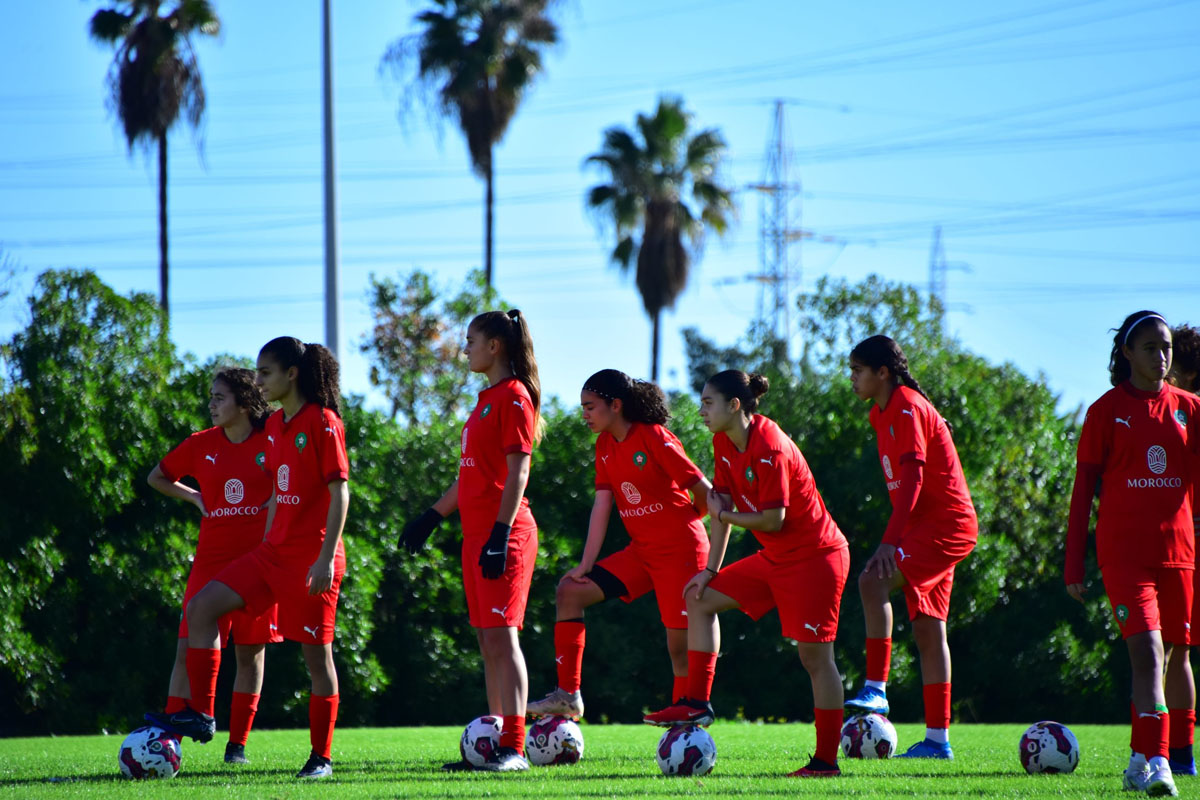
[505,759]
[1135,779]
[1160,783]
[558,703]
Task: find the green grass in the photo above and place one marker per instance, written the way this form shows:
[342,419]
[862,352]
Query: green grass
[618,762]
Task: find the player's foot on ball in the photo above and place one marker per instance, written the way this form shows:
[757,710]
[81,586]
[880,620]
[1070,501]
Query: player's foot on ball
[1134,779]
[559,703]
[1159,783]
[316,767]
[236,754]
[869,700]
[199,727]
[927,748]
[816,768]
[686,712]
[459,766]
[505,759]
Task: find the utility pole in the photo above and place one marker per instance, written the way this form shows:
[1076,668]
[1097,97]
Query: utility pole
[331,255]
[938,267]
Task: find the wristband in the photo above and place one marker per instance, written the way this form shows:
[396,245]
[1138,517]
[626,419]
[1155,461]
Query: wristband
[719,513]
[710,569]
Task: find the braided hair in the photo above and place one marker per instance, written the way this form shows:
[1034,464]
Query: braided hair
[745,387]
[246,393]
[317,369]
[641,401]
[1119,368]
[882,351]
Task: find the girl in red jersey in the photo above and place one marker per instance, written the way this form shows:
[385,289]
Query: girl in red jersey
[499,533]
[1139,444]
[1180,686]
[300,563]
[933,526]
[763,483]
[226,461]
[643,467]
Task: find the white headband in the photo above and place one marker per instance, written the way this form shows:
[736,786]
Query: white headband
[1139,322]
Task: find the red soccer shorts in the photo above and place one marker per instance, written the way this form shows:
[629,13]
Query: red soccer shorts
[262,580]
[807,593]
[1194,638]
[499,603]
[665,575]
[928,570]
[245,627]
[1150,599]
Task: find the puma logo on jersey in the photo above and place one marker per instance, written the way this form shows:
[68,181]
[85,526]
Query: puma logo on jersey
[558,659]
[726,460]
[273,626]
[603,459]
[519,403]
[329,430]
[766,461]
[814,628]
[311,631]
[907,411]
[213,459]
[900,552]
[1125,421]
[270,438]
[500,611]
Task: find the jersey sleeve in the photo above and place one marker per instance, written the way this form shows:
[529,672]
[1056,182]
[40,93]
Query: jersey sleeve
[334,464]
[674,460]
[1094,438]
[910,425]
[772,471]
[722,479]
[179,461]
[518,418]
[602,480]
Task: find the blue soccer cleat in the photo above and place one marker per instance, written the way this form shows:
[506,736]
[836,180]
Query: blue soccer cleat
[869,700]
[928,748]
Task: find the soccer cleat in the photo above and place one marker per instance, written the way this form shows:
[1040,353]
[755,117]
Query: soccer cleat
[1182,767]
[1134,779]
[316,767]
[505,759]
[686,712]
[236,754]
[816,768]
[197,726]
[927,748]
[1159,783]
[869,700]
[559,703]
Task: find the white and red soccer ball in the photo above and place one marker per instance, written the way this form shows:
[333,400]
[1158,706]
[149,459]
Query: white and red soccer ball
[480,739]
[686,750]
[554,740]
[149,752]
[1049,747]
[869,736]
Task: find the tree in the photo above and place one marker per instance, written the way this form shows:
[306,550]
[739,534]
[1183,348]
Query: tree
[650,174]
[474,61]
[154,76]
[415,347]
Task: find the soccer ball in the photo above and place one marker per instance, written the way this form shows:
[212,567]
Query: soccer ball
[149,752]
[1049,747]
[554,740]
[480,739]
[686,750]
[868,736]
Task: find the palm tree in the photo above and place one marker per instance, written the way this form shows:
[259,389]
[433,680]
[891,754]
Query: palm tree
[650,175]
[474,61]
[153,77]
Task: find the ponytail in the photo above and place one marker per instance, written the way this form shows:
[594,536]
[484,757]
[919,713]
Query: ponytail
[511,329]
[747,388]
[316,367]
[641,401]
[882,351]
[1119,368]
[245,393]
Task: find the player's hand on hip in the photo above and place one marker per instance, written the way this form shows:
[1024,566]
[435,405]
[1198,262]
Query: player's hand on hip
[1077,591]
[883,562]
[320,576]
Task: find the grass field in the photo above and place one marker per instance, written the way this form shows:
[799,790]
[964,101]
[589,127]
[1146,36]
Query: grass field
[618,762]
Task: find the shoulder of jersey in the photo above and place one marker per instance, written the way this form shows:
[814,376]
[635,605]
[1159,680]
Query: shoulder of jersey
[330,419]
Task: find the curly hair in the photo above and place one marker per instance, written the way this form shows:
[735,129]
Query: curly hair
[641,401]
[745,387]
[317,380]
[1185,344]
[883,351]
[246,393]
[1119,368]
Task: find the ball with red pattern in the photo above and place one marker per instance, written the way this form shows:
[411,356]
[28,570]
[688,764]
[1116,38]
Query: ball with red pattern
[869,736]
[554,740]
[1050,747]
[480,739]
[686,750]
[149,752]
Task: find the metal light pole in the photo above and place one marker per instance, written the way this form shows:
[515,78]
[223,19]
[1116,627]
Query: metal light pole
[331,259]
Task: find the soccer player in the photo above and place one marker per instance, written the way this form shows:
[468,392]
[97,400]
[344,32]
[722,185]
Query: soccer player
[762,483]
[643,467]
[300,563]
[1180,686]
[499,532]
[933,526]
[1139,445]
[234,489]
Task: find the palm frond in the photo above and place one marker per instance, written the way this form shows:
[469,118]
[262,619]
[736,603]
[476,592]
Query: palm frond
[109,25]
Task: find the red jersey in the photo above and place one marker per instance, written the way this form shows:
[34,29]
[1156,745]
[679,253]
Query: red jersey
[502,423]
[233,485]
[910,428]
[649,474]
[1146,444]
[304,454]
[772,473]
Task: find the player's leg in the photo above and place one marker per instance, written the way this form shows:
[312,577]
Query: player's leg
[876,594]
[1180,691]
[828,696]
[506,665]
[571,598]
[322,708]
[177,687]
[677,649]
[247,685]
[1147,657]
[703,644]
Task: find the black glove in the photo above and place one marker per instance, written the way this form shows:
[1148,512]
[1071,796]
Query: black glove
[417,531]
[495,552]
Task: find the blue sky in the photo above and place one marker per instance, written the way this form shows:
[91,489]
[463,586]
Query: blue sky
[1055,143]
